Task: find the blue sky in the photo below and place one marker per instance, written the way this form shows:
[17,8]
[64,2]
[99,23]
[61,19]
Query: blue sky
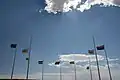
[53,34]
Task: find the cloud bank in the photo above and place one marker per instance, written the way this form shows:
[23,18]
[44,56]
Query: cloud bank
[54,6]
[82,61]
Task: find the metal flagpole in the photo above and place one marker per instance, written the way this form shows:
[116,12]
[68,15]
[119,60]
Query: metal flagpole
[90,68]
[108,64]
[75,70]
[60,73]
[58,63]
[96,58]
[42,70]
[29,58]
[13,65]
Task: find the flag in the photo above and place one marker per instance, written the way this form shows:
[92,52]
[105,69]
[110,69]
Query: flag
[87,67]
[27,58]
[13,45]
[25,50]
[57,62]
[40,62]
[72,62]
[91,51]
[100,47]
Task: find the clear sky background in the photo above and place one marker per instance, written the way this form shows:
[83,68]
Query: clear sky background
[53,35]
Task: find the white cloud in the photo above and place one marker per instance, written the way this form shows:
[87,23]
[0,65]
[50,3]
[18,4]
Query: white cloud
[82,60]
[113,59]
[79,57]
[55,6]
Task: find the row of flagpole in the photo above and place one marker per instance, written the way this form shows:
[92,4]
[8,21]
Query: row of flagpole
[93,51]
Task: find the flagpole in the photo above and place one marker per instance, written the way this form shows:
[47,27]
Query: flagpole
[90,68]
[96,58]
[75,70]
[60,73]
[58,63]
[42,70]
[29,58]
[108,64]
[13,65]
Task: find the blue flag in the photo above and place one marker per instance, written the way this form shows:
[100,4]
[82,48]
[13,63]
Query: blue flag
[100,47]
[13,45]
[40,62]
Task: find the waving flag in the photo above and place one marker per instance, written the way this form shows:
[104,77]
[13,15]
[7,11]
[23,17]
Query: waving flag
[25,50]
[57,62]
[27,58]
[13,45]
[88,67]
[72,62]
[40,62]
[101,47]
[91,51]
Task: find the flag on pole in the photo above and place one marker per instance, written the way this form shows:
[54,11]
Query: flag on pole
[72,62]
[27,58]
[40,62]
[91,51]
[14,58]
[88,67]
[57,62]
[101,47]
[13,45]
[98,69]
[25,50]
